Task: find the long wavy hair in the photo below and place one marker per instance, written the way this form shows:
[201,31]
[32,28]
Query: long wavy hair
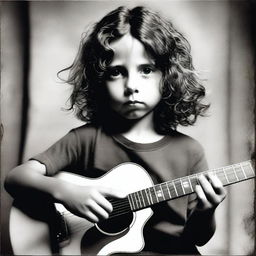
[181,88]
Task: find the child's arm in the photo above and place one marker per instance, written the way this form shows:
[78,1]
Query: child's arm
[201,224]
[87,202]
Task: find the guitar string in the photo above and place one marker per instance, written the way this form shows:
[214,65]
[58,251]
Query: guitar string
[220,171]
[116,205]
[120,204]
[177,182]
[178,185]
[123,204]
[125,208]
[111,216]
[121,207]
[119,213]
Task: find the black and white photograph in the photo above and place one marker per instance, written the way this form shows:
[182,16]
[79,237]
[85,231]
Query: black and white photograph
[128,127]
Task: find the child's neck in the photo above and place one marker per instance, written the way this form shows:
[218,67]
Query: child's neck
[140,131]
[142,136]
[143,131]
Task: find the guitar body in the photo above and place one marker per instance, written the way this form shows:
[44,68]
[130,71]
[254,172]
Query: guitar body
[31,234]
[38,227]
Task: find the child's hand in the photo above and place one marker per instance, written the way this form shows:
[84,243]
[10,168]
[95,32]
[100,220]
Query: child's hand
[210,193]
[89,202]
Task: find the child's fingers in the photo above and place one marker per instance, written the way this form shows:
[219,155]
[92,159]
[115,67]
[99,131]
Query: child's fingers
[97,210]
[103,202]
[91,217]
[212,188]
[201,198]
[207,187]
[216,184]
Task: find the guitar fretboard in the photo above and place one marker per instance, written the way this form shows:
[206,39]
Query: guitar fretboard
[186,185]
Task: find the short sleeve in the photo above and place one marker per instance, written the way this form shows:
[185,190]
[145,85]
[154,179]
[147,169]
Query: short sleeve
[200,163]
[62,154]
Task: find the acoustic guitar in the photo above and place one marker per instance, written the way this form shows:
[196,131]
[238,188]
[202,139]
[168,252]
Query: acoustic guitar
[34,230]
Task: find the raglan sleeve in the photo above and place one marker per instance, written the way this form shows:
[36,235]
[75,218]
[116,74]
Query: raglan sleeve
[62,155]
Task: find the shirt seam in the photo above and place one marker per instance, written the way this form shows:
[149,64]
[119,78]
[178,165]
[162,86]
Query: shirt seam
[161,145]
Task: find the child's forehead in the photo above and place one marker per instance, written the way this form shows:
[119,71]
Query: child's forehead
[130,48]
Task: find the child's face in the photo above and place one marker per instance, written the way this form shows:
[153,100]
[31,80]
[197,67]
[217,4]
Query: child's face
[133,81]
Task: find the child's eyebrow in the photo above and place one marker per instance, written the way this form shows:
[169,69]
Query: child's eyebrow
[149,64]
[115,66]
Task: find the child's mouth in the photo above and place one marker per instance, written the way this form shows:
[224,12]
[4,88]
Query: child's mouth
[133,102]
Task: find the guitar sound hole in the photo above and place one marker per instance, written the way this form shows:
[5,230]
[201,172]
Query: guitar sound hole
[116,225]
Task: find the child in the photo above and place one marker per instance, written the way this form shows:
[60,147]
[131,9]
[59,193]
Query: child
[133,83]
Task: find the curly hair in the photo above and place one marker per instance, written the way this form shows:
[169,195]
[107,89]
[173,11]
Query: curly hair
[182,91]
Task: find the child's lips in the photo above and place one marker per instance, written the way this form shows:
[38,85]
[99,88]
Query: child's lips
[133,103]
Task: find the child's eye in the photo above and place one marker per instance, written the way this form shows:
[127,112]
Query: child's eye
[147,70]
[115,72]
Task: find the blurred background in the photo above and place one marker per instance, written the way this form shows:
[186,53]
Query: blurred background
[40,38]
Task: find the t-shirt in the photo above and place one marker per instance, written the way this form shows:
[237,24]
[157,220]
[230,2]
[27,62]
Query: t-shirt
[91,152]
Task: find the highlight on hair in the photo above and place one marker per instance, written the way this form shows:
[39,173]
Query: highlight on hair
[182,91]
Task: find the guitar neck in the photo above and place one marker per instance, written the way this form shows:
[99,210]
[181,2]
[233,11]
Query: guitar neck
[186,185]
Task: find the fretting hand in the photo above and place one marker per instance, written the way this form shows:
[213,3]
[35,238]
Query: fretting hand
[210,192]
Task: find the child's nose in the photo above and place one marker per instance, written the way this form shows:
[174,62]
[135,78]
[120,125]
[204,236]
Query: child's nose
[129,91]
[130,86]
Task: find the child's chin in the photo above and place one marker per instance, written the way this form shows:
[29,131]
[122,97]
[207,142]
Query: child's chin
[136,115]
[133,116]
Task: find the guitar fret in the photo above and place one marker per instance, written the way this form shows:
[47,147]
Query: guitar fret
[142,198]
[193,179]
[145,191]
[175,188]
[227,181]
[156,194]
[230,174]
[162,192]
[150,197]
[169,193]
[138,199]
[186,185]
[131,202]
[190,185]
[235,173]
[172,189]
[221,175]
[181,183]
[187,188]
[248,170]
[239,172]
[178,187]
[243,170]
[153,195]
[159,193]
[135,201]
